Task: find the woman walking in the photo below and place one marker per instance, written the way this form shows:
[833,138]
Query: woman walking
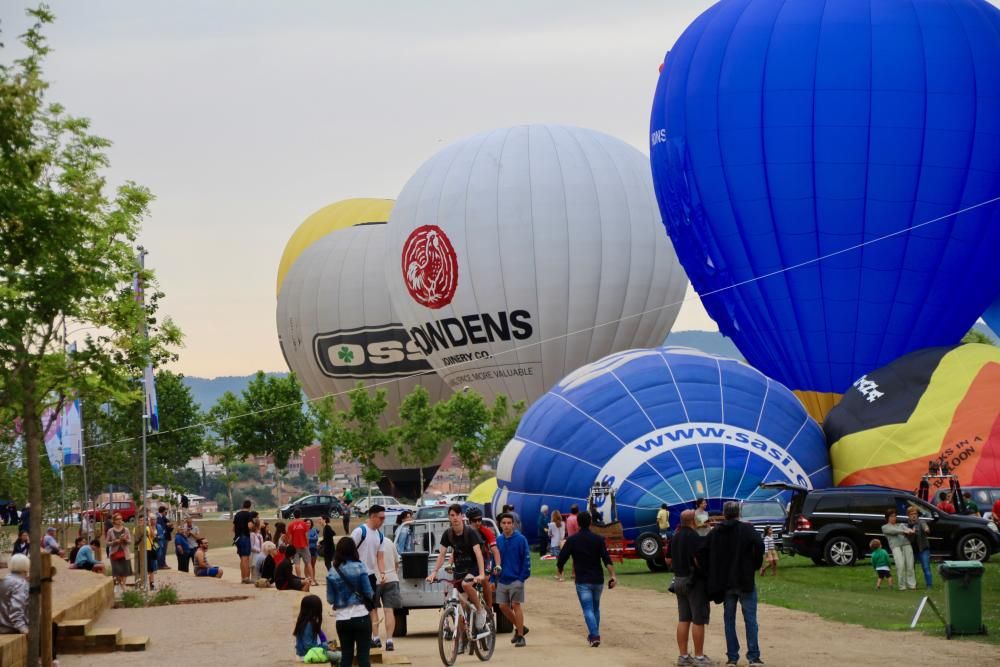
[119,541]
[348,589]
[557,534]
[899,542]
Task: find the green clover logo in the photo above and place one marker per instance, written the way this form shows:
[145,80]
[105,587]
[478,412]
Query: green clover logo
[345,354]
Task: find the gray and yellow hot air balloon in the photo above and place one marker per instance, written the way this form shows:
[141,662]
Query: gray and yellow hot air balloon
[336,324]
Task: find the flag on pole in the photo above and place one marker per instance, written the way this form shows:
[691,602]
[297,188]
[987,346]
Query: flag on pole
[152,409]
[72,434]
[53,438]
[149,383]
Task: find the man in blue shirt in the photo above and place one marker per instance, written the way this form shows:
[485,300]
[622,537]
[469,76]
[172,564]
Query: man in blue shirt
[515,554]
[86,557]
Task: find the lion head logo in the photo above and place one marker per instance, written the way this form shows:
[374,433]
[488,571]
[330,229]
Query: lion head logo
[430,267]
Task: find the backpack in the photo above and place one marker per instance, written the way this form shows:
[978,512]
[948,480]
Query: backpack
[364,534]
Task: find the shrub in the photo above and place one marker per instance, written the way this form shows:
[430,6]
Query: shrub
[133,598]
[166,594]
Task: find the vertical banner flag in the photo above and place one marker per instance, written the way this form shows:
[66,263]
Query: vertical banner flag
[149,383]
[152,409]
[72,434]
[53,438]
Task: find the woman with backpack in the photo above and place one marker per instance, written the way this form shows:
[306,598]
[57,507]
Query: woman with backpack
[349,591]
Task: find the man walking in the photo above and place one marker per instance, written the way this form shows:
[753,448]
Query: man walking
[516,558]
[689,587]
[734,552]
[165,532]
[241,538]
[588,552]
[371,549]
[298,534]
[542,525]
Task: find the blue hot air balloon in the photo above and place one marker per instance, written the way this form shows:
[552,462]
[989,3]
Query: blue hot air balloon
[782,132]
[992,317]
[665,425]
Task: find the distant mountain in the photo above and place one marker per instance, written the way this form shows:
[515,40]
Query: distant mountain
[711,342]
[207,391]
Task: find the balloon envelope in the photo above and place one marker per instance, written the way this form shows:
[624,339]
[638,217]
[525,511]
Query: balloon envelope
[665,425]
[336,325]
[782,132]
[938,402]
[542,238]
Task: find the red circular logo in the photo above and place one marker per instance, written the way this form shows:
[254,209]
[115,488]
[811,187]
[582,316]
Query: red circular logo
[430,267]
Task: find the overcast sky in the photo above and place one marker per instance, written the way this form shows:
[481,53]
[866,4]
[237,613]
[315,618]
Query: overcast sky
[245,117]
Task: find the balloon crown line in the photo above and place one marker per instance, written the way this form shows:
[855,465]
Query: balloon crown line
[518,348]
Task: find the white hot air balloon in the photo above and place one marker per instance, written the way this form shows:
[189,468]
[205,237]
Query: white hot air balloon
[336,324]
[542,238]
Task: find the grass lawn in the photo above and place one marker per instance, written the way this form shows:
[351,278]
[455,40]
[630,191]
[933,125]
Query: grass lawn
[845,594]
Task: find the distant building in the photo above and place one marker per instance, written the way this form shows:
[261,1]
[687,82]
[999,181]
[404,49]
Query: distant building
[207,464]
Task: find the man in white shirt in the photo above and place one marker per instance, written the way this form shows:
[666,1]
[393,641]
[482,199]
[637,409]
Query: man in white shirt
[371,549]
[388,594]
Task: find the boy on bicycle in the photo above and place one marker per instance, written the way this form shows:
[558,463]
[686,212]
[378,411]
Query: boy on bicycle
[467,559]
[492,555]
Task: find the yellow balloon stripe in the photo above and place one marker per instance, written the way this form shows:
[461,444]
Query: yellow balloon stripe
[923,432]
[340,215]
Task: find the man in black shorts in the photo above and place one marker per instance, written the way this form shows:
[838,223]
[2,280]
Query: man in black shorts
[689,586]
[467,559]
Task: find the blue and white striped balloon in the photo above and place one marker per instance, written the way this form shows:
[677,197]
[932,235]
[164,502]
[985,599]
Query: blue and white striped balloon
[664,425]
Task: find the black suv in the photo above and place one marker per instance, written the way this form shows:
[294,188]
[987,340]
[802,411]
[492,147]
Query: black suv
[834,526]
[313,506]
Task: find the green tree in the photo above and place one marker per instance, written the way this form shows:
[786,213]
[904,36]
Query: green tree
[113,436]
[66,256]
[357,432]
[223,417]
[976,336]
[422,430]
[466,417]
[274,423]
[501,427]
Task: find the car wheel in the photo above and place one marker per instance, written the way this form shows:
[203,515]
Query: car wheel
[649,546]
[973,547]
[656,565]
[840,551]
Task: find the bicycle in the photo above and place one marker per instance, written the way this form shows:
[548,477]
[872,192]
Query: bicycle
[456,628]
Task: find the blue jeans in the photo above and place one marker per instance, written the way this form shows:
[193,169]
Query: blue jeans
[161,553]
[748,602]
[590,602]
[925,564]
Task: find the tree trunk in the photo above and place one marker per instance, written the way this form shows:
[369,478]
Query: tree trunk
[33,437]
[420,493]
[229,490]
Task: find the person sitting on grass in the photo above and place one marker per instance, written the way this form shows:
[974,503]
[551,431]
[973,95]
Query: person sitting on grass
[311,644]
[267,565]
[201,566]
[88,557]
[880,561]
[284,576]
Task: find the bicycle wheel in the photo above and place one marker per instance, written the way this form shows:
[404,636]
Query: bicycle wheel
[448,636]
[484,647]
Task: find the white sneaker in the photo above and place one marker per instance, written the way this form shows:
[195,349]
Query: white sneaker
[480,619]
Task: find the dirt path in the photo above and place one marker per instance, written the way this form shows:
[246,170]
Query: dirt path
[637,628]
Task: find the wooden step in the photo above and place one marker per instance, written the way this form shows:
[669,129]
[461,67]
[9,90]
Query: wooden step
[136,643]
[96,640]
[77,628]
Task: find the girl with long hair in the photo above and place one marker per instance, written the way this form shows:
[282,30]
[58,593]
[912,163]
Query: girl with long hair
[308,632]
[350,592]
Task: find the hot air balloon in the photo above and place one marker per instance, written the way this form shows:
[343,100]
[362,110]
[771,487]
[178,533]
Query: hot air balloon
[786,132]
[336,325]
[519,254]
[992,317]
[664,425]
[940,404]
